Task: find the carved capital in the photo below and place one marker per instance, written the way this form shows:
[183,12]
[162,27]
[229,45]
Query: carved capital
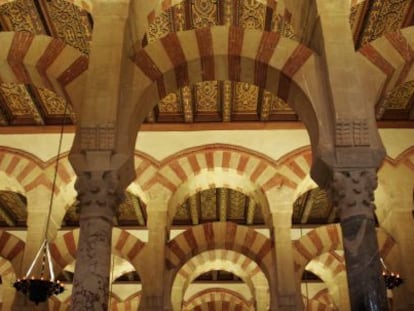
[99,190]
[352,192]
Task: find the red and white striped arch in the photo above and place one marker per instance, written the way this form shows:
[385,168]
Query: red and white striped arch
[213,166]
[125,245]
[145,170]
[44,62]
[329,238]
[327,267]
[265,59]
[220,259]
[11,249]
[215,299]
[393,55]
[220,235]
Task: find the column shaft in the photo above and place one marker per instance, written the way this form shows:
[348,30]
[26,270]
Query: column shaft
[352,193]
[98,200]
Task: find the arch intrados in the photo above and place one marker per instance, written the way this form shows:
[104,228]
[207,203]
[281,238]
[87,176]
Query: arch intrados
[298,97]
[228,178]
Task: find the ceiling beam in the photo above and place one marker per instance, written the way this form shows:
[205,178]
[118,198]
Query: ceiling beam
[227,87]
[251,208]
[223,202]
[187,103]
[193,201]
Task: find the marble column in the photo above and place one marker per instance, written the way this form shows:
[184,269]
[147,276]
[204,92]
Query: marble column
[98,195]
[352,193]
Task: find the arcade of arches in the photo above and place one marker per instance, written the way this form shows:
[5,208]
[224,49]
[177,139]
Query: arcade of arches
[217,154]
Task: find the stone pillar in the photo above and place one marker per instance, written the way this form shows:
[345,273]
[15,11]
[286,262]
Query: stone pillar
[288,292]
[154,284]
[99,195]
[352,193]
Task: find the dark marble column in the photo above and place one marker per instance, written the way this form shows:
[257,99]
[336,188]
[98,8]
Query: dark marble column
[352,192]
[98,197]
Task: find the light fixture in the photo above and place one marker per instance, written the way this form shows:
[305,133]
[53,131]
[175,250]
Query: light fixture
[39,289]
[391,279]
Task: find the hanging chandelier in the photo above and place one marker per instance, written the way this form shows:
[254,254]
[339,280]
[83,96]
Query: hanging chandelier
[39,289]
[391,279]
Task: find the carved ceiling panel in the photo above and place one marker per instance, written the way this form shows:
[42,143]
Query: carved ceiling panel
[131,212]
[314,208]
[59,19]
[399,101]
[13,209]
[27,105]
[372,19]
[219,204]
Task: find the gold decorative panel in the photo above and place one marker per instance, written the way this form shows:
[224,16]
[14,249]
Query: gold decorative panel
[54,104]
[20,104]
[204,13]
[245,97]
[252,15]
[382,16]
[58,18]
[207,96]
[21,15]
[170,104]
[400,97]
[69,23]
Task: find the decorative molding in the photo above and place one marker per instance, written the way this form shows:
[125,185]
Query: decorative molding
[352,132]
[100,137]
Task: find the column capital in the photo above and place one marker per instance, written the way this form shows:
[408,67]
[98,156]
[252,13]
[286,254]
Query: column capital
[352,192]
